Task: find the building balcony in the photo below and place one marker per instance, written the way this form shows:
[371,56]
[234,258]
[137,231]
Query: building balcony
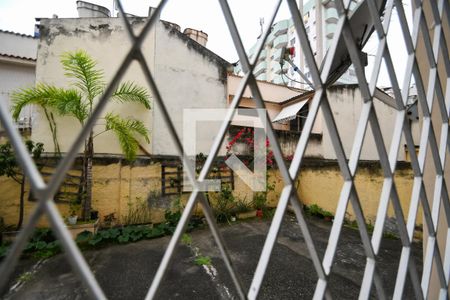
[279,80]
[280,28]
[262,55]
[262,76]
[331,16]
[276,55]
[280,41]
[260,68]
[330,29]
[276,68]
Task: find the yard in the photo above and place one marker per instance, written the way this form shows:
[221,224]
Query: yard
[198,272]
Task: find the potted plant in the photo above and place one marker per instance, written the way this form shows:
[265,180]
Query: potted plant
[73,213]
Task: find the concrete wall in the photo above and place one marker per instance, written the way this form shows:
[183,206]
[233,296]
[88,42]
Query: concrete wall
[117,186]
[346,103]
[187,75]
[106,41]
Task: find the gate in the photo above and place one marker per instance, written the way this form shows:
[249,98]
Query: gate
[424,49]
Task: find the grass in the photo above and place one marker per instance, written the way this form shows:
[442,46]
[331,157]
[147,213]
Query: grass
[203,260]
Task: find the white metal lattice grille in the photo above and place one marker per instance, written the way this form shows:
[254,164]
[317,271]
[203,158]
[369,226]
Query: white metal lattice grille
[430,93]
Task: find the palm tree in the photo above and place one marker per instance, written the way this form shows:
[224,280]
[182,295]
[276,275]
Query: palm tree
[79,101]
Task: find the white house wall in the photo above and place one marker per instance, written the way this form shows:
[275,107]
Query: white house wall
[187,78]
[346,103]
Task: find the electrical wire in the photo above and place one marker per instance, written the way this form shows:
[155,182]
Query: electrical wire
[284,74]
[285,84]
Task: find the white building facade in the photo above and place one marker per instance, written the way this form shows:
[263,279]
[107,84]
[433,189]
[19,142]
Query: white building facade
[320,19]
[17,70]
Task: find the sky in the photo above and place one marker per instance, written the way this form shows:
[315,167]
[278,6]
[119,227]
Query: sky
[19,16]
[205,15]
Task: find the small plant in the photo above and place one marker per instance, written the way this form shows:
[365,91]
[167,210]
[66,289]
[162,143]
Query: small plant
[3,250]
[317,211]
[259,200]
[109,220]
[224,205]
[9,167]
[74,208]
[173,215]
[138,212]
[203,260]
[186,239]
[24,277]
[242,206]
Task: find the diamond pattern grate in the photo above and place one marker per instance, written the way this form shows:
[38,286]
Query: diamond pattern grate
[430,93]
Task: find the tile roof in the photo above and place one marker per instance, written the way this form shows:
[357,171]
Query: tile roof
[18,57]
[19,34]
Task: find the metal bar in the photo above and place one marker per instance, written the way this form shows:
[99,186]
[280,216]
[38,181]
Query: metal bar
[191,202]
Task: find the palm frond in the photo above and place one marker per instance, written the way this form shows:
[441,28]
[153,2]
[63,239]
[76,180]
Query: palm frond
[69,102]
[127,131]
[42,95]
[81,67]
[130,92]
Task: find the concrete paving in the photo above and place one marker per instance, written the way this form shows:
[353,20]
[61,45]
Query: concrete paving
[126,271]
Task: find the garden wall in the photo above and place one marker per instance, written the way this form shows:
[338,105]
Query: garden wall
[120,187]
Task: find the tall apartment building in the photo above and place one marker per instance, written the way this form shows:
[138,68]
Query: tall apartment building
[320,18]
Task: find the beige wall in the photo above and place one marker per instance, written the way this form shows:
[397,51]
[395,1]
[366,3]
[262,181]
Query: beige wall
[117,185]
[269,91]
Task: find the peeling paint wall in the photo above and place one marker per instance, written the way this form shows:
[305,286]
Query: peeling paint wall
[105,40]
[187,75]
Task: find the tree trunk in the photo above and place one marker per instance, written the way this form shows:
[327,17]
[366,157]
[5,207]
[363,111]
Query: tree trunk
[89,154]
[22,204]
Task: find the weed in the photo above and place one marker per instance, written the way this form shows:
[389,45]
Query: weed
[24,277]
[203,260]
[317,211]
[242,206]
[186,239]
[138,212]
[390,235]
[224,205]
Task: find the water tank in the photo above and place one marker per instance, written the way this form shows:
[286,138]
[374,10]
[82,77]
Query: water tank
[197,35]
[90,10]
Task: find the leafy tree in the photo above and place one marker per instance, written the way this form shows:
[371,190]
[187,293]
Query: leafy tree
[9,167]
[79,101]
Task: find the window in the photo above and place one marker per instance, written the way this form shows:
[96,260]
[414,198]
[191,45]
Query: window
[299,121]
[306,17]
[293,42]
